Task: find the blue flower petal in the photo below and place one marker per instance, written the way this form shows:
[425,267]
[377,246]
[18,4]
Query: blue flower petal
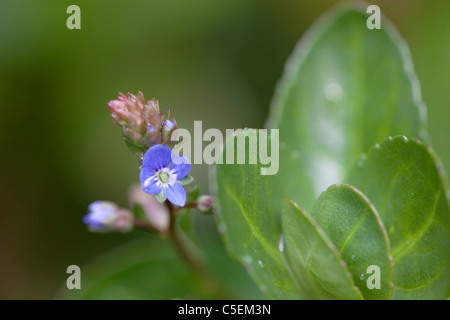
[95,219]
[102,206]
[87,219]
[182,168]
[145,174]
[157,157]
[176,194]
[149,182]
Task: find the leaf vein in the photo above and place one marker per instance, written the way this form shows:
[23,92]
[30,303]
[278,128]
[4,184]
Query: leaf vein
[353,230]
[254,229]
[411,242]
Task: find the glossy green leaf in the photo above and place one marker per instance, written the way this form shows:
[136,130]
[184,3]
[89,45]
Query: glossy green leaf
[344,88]
[313,258]
[353,225]
[405,182]
[247,222]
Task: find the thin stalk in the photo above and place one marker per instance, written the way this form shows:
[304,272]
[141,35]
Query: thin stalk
[182,249]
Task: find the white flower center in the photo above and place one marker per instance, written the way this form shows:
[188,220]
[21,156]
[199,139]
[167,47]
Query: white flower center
[165,177]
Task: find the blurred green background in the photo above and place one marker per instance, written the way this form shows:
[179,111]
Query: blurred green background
[210,60]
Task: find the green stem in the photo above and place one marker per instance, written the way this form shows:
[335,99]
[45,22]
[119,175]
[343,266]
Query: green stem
[187,205]
[189,257]
[145,226]
[180,247]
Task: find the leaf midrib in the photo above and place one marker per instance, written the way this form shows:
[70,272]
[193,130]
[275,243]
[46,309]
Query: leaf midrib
[274,253]
[411,242]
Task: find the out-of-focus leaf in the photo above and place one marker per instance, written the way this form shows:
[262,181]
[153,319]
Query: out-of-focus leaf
[406,184]
[247,221]
[314,260]
[344,88]
[141,269]
[353,225]
[192,194]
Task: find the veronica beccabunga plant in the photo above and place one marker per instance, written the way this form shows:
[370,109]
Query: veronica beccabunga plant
[360,206]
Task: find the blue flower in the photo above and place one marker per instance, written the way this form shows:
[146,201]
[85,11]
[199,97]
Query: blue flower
[106,216]
[161,176]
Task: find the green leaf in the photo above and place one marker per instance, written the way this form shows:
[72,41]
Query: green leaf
[161,197]
[140,213]
[149,268]
[405,182]
[192,194]
[354,227]
[186,180]
[312,256]
[247,223]
[136,148]
[234,280]
[344,88]
[141,269]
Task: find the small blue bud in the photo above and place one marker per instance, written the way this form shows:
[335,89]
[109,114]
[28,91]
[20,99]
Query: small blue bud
[165,130]
[168,124]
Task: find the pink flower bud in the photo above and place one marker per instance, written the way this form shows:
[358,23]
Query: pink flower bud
[157,213]
[205,203]
[142,123]
[127,110]
[152,113]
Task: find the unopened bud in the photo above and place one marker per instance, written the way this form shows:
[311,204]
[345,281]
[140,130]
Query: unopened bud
[153,136]
[127,111]
[205,203]
[166,129]
[107,216]
[152,113]
[157,213]
[142,123]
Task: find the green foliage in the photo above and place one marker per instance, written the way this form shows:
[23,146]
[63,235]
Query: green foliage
[354,227]
[142,269]
[248,225]
[313,258]
[150,269]
[345,89]
[404,182]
